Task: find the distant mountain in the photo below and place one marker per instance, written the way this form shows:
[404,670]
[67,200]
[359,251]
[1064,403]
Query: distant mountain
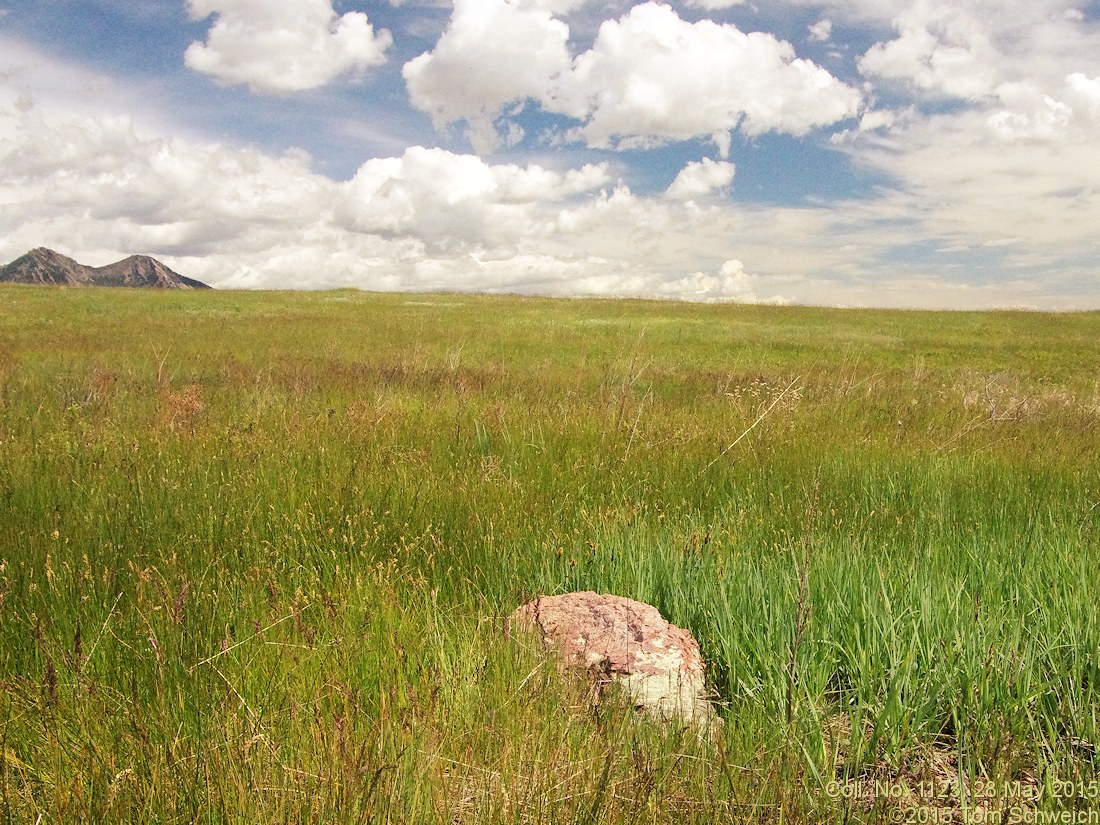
[44,266]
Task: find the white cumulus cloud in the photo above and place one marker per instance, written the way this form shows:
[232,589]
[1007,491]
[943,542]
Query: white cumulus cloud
[451,200]
[730,283]
[1027,113]
[493,53]
[1084,93]
[284,46]
[965,49]
[95,181]
[700,178]
[649,78]
[821,31]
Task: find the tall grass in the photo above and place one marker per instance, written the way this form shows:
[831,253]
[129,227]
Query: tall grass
[257,549]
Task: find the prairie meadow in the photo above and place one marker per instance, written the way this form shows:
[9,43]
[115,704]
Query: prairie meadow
[257,550]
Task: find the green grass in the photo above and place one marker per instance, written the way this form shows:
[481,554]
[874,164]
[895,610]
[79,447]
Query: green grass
[256,552]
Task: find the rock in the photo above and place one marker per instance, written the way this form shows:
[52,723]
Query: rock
[628,642]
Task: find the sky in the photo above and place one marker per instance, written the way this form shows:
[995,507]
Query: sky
[887,153]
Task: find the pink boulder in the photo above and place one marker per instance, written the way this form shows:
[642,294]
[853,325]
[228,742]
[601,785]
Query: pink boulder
[627,642]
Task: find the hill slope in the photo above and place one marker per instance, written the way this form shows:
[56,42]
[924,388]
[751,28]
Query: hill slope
[44,266]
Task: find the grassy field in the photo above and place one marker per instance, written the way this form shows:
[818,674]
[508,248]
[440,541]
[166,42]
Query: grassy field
[256,550]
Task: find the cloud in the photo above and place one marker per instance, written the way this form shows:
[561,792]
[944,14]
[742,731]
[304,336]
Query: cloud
[545,275]
[965,49]
[997,186]
[1027,113]
[95,182]
[714,5]
[1016,168]
[991,201]
[288,46]
[454,201]
[821,31]
[100,188]
[649,78]
[1084,94]
[940,49]
[731,283]
[881,119]
[700,178]
[30,75]
[494,53]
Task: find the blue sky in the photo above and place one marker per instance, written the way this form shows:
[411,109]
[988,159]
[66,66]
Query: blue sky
[910,153]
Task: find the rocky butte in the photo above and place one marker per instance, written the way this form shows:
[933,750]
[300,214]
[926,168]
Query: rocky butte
[44,266]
